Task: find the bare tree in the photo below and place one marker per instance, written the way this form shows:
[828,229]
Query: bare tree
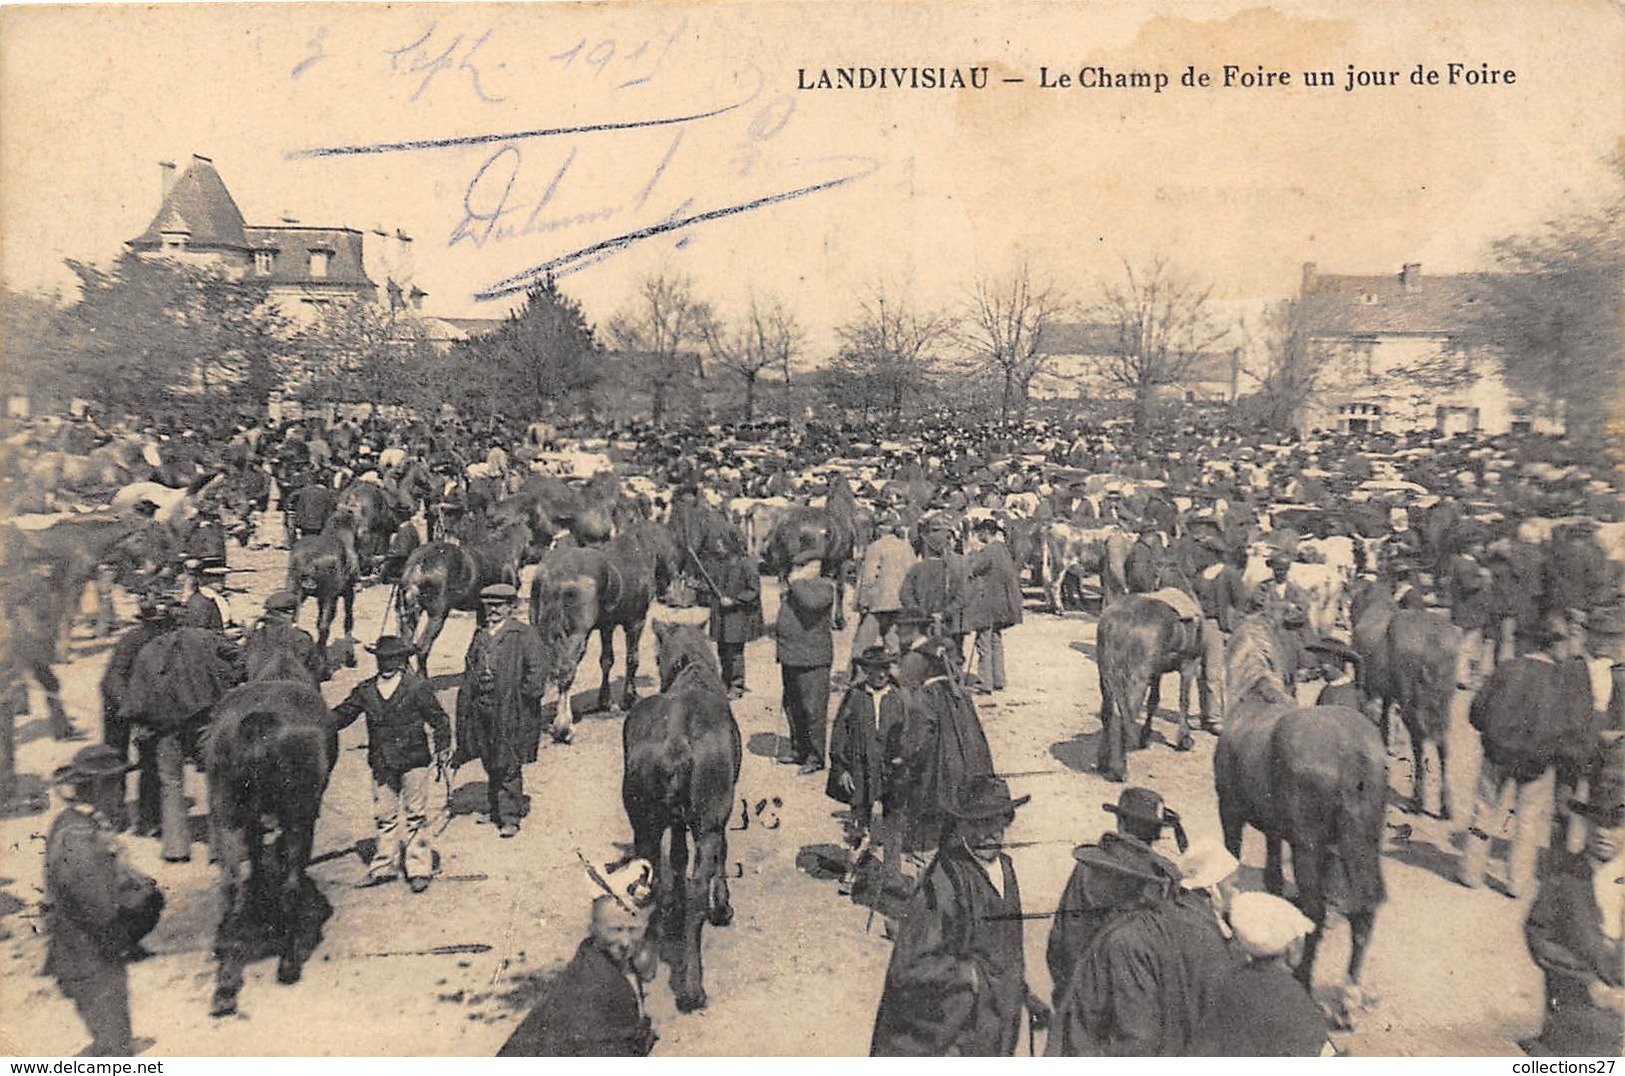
[663,329]
[1285,364]
[1004,325]
[1162,323]
[766,337]
[893,347]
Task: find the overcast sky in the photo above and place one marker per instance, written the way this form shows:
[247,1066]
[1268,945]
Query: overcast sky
[922,188]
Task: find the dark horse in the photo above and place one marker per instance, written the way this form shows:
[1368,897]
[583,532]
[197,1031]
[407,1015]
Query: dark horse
[580,590]
[443,576]
[682,754]
[325,567]
[1314,777]
[375,520]
[1141,638]
[271,747]
[831,531]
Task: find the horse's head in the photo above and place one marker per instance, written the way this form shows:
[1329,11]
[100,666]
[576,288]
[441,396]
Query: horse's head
[1254,668]
[682,648]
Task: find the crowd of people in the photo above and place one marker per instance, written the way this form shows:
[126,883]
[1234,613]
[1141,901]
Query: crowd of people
[1152,951]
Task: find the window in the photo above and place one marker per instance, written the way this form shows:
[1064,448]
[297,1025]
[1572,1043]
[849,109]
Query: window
[1368,298]
[175,240]
[263,261]
[318,263]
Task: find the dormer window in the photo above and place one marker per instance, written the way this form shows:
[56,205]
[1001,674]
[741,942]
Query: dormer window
[176,240]
[1368,298]
[318,263]
[264,261]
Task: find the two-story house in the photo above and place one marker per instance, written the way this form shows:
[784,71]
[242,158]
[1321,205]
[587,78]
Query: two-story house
[1398,353]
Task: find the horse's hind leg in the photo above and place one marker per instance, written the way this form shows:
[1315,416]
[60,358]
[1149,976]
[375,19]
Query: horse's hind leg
[349,624]
[1274,878]
[1444,770]
[1153,703]
[839,577]
[606,664]
[61,725]
[437,622]
[231,946]
[298,934]
[1419,766]
[634,639]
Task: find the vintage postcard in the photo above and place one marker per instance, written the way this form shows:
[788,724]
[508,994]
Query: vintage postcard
[825,529]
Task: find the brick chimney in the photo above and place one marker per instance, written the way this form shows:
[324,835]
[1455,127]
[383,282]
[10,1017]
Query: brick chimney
[166,179]
[1309,275]
[1410,273]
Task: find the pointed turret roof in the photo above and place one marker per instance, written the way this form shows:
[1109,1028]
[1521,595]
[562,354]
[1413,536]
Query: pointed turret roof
[200,204]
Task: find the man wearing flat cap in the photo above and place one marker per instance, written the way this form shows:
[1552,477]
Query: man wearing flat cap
[97,907]
[277,634]
[1111,876]
[499,717]
[957,981]
[1576,923]
[406,730]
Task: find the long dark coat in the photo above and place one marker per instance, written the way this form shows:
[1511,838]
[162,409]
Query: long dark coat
[177,676]
[98,906]
[1263,1011]
[1093,894]
[944,749]
[274,637]
[1565,938]
[1144,986]
[742,623]
[499,718]
[994,598]
[867,735]
[590,1010]
[1531,713]
[932,1005]
[938,585]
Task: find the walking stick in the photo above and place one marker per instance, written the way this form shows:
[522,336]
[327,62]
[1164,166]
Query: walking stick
[704,575]
[394,592]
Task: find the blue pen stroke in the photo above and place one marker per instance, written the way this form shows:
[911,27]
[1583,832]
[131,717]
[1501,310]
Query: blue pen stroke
[416,144]
[568,263]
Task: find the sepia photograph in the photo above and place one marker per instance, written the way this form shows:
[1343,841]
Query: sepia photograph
[812,529]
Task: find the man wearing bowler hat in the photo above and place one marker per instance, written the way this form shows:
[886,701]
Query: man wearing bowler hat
[957,981]
[403,717]
[1111,876]
[97,907]
[499,705]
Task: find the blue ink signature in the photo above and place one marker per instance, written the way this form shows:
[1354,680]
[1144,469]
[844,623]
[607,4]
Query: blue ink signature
[318,52]
[565,264]
[418,58]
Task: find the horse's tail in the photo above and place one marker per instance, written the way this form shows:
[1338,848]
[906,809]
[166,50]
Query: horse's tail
[1362,794]
[256,766]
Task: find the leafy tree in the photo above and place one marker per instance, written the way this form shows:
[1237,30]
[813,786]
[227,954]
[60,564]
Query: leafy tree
[662,330]
[1163,322]
[148,332]
[1005,320]
[544,356]
[30,327]
[1554,314]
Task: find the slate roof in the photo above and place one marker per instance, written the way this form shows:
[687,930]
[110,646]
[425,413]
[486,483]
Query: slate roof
[1395,304]
[198,203]
[293,244]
